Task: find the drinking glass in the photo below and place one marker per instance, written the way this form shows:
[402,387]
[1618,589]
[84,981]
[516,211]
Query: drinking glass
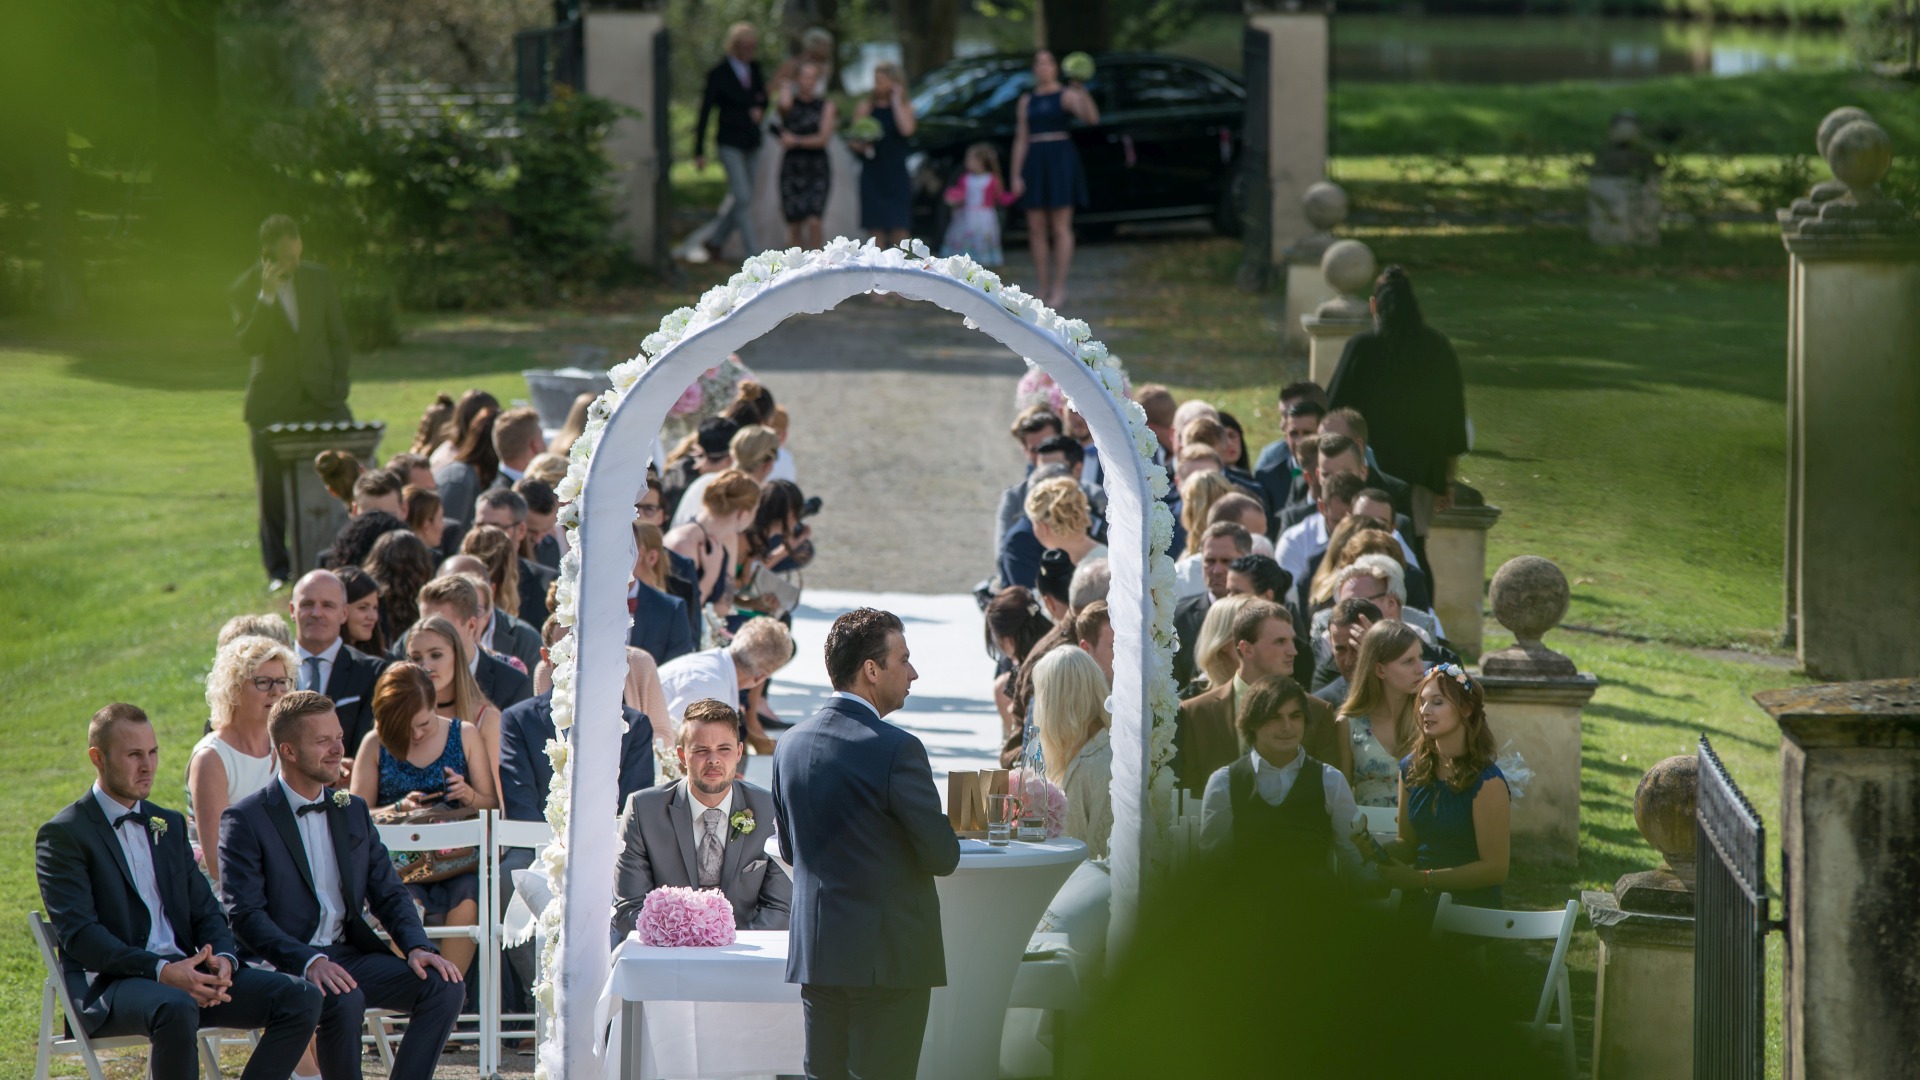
[1002,810]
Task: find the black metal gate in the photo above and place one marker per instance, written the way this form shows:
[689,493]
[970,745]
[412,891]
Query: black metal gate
[1730,930]
[548,56]
[1254,196]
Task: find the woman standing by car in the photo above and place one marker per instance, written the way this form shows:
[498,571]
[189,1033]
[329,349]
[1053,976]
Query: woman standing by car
[1047,173]
[886,191]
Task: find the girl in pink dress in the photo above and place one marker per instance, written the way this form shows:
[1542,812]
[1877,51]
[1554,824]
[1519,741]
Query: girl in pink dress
[977,198]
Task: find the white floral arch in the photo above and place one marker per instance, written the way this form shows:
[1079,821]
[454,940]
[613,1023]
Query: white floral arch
[608,466]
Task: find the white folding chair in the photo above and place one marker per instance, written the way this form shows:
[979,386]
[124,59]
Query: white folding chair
[1555,926]
[509,834]
[443,837]
[54,991]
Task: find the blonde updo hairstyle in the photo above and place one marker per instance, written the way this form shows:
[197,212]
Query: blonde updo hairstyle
[233,665]
[1060,505]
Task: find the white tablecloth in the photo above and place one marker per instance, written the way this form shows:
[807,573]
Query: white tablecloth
[728,1012]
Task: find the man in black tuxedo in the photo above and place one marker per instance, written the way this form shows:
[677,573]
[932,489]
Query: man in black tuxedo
[866,944]
[328,664]
[298,858]
[289,322]
[143,945]
[454,598]
[1220,545]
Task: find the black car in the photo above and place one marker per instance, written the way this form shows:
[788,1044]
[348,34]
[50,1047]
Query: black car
[1166,146]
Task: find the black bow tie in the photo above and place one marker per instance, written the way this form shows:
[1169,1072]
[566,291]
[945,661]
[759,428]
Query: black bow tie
[131,815]
[310,808]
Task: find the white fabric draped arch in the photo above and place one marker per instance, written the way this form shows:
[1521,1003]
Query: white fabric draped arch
[617,472]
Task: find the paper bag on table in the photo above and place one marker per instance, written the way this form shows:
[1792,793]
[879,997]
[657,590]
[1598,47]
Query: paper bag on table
[965,802]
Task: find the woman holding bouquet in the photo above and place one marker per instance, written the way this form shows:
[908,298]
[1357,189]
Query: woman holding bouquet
[886,191]
[1047,175]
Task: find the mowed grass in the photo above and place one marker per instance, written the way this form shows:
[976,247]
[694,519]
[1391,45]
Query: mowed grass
[1629,421]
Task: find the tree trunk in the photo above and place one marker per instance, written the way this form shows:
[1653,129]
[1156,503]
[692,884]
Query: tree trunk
[1076,25]
[926,30]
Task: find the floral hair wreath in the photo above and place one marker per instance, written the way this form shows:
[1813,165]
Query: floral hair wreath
[1457,673]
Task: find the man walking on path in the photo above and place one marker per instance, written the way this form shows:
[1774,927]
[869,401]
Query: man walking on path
[861,823]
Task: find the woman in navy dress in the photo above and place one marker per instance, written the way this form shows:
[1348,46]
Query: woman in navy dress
[1046,171]
[415,758]
[886,191]
[1455,806]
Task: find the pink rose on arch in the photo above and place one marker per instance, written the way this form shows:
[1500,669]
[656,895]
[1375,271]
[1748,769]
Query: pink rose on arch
[689,401]
[673,916]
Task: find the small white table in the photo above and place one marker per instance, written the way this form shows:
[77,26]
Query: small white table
[726,1012]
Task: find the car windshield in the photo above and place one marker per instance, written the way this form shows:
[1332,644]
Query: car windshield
[974,92]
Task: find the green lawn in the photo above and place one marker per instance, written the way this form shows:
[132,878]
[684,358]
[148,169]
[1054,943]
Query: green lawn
[1629,420]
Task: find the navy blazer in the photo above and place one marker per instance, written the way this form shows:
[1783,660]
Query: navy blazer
[350,686]
[534,579]
[660,625]
[526,773]
[504,684]
[1020,553]
[267,886]
[99,919]
[683,581]
[862,825]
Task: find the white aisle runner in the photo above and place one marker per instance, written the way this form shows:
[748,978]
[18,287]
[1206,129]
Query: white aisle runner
[951,706]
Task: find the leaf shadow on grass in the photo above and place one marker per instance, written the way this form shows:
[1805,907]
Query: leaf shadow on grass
[1634,716]
[1594,763]
[1496,455]
[1648,691]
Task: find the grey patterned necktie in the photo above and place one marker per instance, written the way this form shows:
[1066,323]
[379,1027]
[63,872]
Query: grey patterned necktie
[310,669]
[710,849]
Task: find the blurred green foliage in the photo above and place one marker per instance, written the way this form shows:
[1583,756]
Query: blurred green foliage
[455,210]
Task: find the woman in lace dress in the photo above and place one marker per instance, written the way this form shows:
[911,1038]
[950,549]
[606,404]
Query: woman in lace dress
[1380,710]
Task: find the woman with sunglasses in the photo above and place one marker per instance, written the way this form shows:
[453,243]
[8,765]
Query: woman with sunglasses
[235,758]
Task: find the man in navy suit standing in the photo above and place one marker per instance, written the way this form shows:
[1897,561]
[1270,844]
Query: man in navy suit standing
[861,823]
[143,946]
[298,858]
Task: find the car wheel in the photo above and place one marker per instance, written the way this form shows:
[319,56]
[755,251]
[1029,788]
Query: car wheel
[1227,219]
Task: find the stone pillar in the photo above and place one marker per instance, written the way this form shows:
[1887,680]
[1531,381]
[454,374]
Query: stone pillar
[1296,112]
[1643,1000]
[1457,566]
[1856,411]
[553,391]
[1623,188]
[1850,852]
[626,62]
[1325,206]
[1348,269]
[1803,208]
[314,516]
[1534,698]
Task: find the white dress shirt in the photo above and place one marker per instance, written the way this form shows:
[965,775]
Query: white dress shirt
[512,474]
[706,674]
[699,829]
[137,846]
[1272,783]
[868,705]
[316,835]
[285,298]
[740,70]
[326,657]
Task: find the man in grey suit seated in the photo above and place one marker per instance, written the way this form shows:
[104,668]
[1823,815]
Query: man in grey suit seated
[707,831]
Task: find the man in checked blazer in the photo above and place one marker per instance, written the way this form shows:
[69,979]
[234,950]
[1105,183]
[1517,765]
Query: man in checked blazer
[708,830]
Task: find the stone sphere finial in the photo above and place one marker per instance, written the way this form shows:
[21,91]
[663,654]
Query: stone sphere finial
[1663,807]
[1348,266]
[1325,204]
[1833,122]
[1859,155]
[1529,596]
[1624,127]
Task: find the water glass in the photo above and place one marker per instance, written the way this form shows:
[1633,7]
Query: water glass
[1001,811]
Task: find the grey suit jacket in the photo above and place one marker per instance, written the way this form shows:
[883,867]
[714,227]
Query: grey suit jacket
[656,848]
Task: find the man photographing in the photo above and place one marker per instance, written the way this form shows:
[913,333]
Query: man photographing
[288,319]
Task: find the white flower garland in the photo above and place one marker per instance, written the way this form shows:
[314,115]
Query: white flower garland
[758,272]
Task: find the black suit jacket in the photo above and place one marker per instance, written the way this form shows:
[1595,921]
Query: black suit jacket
[683,581]
[297,375]
[97,915]
[266,884]
[1188,614]
[504,684]
[723,93]
[660,625]
[350,685]
[534,580]
[864,829]
[526,773]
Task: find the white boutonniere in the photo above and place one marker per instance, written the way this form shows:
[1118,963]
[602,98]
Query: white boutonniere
[742,822]
[157,825]
[341,799]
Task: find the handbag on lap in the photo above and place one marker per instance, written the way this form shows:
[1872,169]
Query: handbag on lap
[426,867]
